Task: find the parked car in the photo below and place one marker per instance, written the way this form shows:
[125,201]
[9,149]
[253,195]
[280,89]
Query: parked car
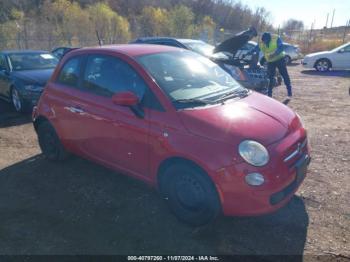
[338,58]
[293,52]
[59,52]
[178,121]
[252,78]
[23,75]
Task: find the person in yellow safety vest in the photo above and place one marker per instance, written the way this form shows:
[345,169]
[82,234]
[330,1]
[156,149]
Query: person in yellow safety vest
[272,48]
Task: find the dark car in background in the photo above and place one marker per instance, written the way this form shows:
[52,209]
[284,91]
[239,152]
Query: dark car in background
[59,52]
[23,75]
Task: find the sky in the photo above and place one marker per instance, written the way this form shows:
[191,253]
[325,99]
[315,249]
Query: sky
[306,10]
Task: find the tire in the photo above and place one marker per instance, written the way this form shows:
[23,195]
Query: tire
[191,194]
[323,65]
[50,144]
[288,60]
[17,102]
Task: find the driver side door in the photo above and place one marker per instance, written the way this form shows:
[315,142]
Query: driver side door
[114,134]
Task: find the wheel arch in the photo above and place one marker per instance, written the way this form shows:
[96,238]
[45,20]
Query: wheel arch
[170,161]
[39,120]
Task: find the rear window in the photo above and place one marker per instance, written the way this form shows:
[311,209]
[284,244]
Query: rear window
[70,72]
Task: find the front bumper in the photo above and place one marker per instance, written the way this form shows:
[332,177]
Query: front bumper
[30,98]
[281,182]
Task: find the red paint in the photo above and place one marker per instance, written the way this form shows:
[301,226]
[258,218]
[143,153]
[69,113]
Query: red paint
[112,135]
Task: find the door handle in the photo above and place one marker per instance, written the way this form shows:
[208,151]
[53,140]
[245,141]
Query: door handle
[76,110]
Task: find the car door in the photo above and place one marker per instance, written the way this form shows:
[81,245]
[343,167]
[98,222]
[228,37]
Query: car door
[344,57]
[4,76]
[63,99]
[114,134]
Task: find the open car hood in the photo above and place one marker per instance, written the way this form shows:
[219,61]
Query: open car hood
[233,44]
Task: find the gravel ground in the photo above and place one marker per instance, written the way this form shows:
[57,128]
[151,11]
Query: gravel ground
[81,208]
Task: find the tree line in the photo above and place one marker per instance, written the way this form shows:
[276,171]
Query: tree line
[49,23]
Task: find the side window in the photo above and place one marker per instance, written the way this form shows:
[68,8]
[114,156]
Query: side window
[347,49]
[70,72]
[107,75]
[3,63]
[168,43]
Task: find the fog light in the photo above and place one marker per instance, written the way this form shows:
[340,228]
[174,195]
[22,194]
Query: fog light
[254,179]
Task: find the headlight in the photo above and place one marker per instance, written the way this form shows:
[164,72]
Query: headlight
[253,153]
[254,179]
[235,72]
[33,88]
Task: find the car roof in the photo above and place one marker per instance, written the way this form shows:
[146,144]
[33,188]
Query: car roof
[8,52]
[132,50]
[153,38]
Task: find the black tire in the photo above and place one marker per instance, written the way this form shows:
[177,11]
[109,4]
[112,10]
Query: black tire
[17,102]
[50,144]
[191,194]
[288,59]
[323,65]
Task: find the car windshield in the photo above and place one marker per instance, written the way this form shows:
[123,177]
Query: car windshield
[340,47]
[200,47]
[32,61]
[189,78]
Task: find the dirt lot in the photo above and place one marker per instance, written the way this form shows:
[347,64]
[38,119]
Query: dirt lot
[81,208]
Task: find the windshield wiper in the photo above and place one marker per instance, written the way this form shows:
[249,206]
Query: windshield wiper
[195,101]
[242,93]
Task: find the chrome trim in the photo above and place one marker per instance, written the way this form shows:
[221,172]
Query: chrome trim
[300,146]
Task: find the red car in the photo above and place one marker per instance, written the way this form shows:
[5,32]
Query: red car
[176,120]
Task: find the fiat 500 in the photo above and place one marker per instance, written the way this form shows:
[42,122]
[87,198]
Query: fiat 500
[177,121]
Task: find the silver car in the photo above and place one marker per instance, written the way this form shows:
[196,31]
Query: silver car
[292,52]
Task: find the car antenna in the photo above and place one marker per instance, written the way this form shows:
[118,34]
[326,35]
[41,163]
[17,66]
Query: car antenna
[100,42]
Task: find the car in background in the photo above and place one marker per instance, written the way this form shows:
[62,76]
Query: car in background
[338,58]
[179,122]
[23,75]
[59,52]
[293,52]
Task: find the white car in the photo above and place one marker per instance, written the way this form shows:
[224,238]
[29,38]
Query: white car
[338,58]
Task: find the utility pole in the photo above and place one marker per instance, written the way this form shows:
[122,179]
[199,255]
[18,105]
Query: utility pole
[327,20]
[332,18]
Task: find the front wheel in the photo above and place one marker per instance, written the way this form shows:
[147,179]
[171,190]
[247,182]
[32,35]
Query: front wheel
[17,101]
[50,144]
[323,65]
[191,194]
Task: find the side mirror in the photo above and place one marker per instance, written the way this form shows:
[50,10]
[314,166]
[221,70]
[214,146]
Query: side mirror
[125,98]
[341,50]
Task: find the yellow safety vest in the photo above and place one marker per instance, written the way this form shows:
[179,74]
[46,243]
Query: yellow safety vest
[269,50]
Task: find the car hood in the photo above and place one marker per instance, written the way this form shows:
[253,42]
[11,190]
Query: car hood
[318,54]
[233,44]
[39,77]
[255,117]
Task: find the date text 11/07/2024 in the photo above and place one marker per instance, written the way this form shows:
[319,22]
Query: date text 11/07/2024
[173,258]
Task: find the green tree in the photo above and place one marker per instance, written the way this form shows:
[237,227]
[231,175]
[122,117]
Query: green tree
[154,21]
[111,27]
[181,22]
